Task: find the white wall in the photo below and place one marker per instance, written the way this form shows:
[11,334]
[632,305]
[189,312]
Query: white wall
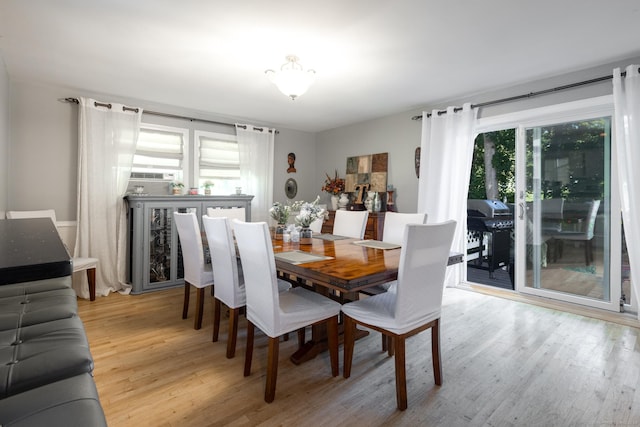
[43,148]
[43,144]
[4,136]
[399,135]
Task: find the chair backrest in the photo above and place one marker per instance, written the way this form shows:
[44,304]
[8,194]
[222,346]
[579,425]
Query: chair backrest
[228,288]
[421,271]
[44,213]
[394,223]
[191,244]
[316,226]
[552,208]
[231,213]
[260,278]
[350,223]
[591,218]
[588,212]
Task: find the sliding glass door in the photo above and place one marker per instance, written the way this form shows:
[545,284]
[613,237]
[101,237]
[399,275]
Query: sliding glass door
[563,211]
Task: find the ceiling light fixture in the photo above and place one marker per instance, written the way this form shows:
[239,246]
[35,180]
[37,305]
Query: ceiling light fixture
[292,80]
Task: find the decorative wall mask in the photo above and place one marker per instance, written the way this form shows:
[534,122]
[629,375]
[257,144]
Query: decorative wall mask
[291,159]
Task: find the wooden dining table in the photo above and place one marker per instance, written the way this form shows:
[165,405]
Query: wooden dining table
[339,268]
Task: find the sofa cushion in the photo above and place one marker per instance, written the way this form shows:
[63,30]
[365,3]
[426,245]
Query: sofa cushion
[39,354]
[69,402]
[25,310]
[26,288]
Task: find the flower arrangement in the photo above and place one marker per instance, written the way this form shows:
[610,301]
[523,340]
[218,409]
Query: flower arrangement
[333,186]
[309,212]
[207,185]
[280,212]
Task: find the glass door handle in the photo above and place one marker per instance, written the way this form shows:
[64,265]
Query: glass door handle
[521,215]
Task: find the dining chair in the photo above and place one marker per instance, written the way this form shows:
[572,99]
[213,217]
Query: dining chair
[196,272]
[79,263]
[316,226]
[413,308]
[276,313]
[393,232]
[394,223]
[227,277]
[350,223]
[585,231]
[231,213]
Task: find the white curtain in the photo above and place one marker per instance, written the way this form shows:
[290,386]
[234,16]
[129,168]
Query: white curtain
[107,143]
[256,148]
[446,155]
[626,98]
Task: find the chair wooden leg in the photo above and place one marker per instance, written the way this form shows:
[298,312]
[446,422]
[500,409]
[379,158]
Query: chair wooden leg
[384,342]
[197,323]
[401,374]
[349,339]
[91,279]
[301,337]
[435,352]
[233,332]
[332,336]
[272,369]
[217,308]
[390,349]
[185,306]
[249,351]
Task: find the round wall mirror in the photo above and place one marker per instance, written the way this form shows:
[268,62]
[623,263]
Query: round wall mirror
[291,188]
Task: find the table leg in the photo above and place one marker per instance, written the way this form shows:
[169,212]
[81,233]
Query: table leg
[319,342]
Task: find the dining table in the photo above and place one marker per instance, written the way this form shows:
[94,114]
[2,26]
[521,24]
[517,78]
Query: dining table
[340,268]
[31,249]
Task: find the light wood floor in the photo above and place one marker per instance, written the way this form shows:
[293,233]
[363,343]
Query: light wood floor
[505,363]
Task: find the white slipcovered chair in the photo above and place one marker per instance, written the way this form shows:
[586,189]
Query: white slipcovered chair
[196,272]
[394,223]
[316,226]
[350,223]
[231,213]
[276,313]
[79,263]
[414,307]
[228,277]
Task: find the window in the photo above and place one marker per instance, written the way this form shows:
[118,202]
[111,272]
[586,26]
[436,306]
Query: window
[218,161]
[161,153]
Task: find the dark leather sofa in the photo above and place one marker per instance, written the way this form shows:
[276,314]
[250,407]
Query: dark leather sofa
[45,361]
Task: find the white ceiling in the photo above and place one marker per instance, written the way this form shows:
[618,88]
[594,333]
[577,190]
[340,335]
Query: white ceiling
[372,57]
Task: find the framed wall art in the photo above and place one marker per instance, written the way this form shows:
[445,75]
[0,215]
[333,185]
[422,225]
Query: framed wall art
[370,169]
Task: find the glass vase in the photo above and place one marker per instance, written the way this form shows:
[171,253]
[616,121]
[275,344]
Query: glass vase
[279,231]
[305,236]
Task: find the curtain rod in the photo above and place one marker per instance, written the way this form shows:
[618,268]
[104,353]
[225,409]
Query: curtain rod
[172,116]
[529,95]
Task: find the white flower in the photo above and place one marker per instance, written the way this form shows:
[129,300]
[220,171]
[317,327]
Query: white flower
[309,212]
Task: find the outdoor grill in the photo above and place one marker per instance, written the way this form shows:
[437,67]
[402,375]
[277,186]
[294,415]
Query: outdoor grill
[489,225]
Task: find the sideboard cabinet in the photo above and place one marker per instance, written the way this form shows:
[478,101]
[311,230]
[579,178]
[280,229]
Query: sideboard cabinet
[154,254]
[374,228]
